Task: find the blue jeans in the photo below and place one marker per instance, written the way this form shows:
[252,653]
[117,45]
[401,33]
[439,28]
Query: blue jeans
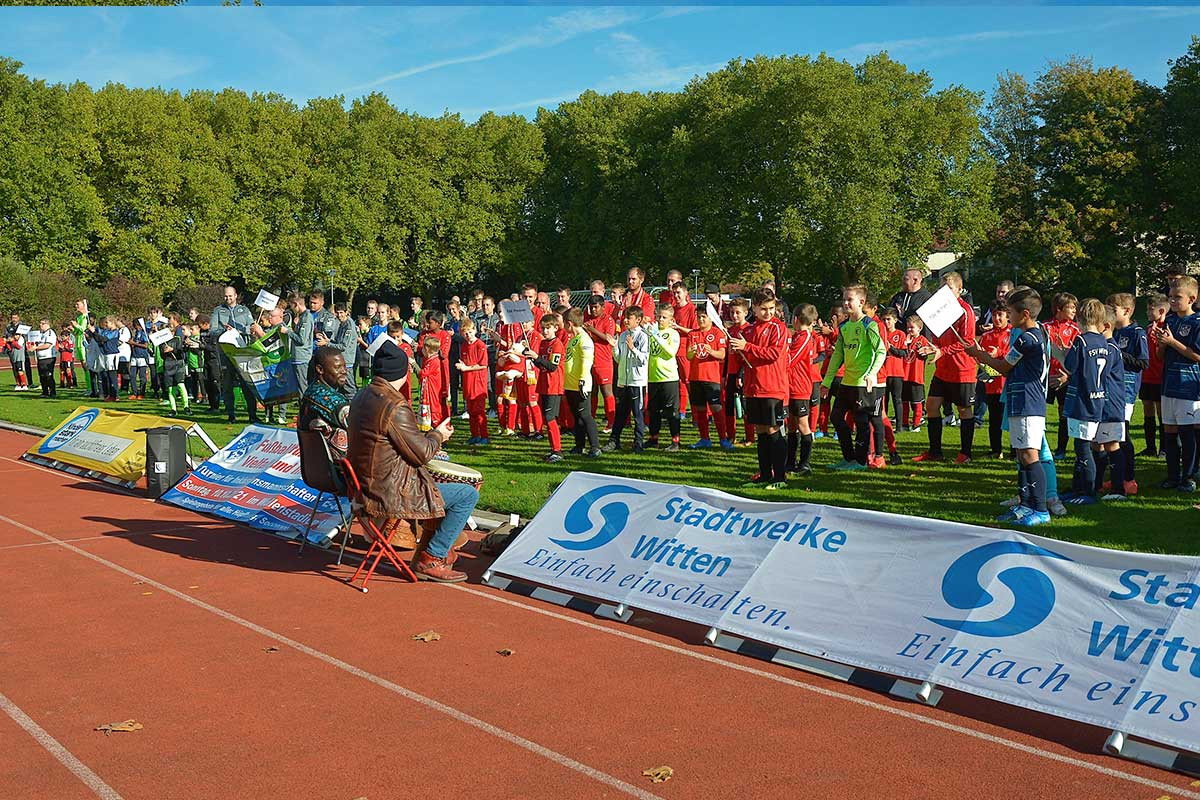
[460,500]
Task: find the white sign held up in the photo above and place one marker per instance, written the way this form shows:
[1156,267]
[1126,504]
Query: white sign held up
[940,312]
[377,343]
[265,300]
[711,310]
[160,336]
[231,337]
[515,311]
[23,329]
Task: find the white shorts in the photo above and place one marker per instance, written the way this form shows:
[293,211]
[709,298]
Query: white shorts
[1177,411]
[112,361]
[1107,432]
[1078,429]
[1026,433]
[1128,411]
[140,362]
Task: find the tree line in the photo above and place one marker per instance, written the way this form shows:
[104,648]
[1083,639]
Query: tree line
[812,169]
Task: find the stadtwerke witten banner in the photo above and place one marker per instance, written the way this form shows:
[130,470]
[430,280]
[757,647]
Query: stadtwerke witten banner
[1100,636]
[101,442]
[255,480]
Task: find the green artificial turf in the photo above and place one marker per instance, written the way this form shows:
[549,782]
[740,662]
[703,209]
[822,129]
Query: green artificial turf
[517,480]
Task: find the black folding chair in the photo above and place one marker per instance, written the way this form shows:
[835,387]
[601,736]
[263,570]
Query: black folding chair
[319,471]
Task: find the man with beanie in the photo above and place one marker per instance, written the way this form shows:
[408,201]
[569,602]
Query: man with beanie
[389,453]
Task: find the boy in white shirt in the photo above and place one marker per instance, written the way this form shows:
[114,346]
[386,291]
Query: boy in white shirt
[633,354]
[44,344]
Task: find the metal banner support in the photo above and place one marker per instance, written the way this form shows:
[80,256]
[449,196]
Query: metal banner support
[919,692]
[619,612]
[1122,746]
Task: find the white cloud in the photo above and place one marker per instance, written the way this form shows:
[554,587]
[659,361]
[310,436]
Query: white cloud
[553,31]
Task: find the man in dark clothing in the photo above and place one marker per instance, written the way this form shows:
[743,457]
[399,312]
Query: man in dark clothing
[912,296]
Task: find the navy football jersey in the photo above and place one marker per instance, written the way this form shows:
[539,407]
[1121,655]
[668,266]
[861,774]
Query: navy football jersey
[1133,341]
[1025,384]
[1181,377]
[1114,385]
[1087,362]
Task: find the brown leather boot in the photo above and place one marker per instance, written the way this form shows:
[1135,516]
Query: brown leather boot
[431,568]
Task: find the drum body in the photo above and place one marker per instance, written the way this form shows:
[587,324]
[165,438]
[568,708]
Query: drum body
[449,472]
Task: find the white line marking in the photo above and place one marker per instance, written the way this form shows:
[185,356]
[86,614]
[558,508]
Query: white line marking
[900,712]
[64,756]
[428,702]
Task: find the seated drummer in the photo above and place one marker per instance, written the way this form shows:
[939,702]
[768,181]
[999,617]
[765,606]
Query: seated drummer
[325,406]
[389,453]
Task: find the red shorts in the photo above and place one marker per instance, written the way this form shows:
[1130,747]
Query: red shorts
[602,373]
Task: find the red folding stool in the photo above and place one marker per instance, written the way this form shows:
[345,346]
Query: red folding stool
[380,546]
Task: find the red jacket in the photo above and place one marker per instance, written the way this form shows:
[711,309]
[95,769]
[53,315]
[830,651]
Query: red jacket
[641,298]
[996,343]
[893,365]
[550,381]
[914,364]
[955,366]
[1062,333]
[766,359]
[801,352]
[1154,372]
[475,382]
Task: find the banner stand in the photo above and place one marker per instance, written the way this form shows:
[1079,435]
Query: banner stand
[1121,746]
[620,612]
[924,692]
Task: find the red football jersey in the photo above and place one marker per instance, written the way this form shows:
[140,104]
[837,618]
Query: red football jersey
[1061,333]
[914,364]
[820,349]
[685,316]
[766,359]
[475,382]
[893,366]
[955,366]
[996,343]
[550,382]
[706,368]
[433,389]
[640,298]
[801,352]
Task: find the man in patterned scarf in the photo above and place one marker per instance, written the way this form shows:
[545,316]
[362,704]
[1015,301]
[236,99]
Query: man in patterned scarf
[324,406]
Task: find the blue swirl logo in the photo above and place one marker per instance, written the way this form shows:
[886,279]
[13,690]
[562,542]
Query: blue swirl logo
[69,430]
[578,520]
[1033,592]
[241,447]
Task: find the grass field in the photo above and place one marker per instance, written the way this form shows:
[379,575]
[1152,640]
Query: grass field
[516,479]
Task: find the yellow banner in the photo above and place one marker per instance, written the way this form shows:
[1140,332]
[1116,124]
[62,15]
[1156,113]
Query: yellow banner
[103,441]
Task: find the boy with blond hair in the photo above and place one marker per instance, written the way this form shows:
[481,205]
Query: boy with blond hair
[1179,345]
[861,350]
[1085,365]
[1134,345]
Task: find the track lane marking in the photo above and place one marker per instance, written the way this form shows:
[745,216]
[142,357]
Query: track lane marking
[62,754]
[434,705]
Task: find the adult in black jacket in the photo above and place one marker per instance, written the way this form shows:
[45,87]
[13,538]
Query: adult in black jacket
[911,297]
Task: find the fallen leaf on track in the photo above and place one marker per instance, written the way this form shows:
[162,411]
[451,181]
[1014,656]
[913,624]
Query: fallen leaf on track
[271,649]
[146,593]
[193,587]
[127,725]
[506,652]
[659,774]
[427,636]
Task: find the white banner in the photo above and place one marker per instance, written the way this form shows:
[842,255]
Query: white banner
[1099,636]
[159,337]
[940,311]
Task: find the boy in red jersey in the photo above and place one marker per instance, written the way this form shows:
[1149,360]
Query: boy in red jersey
[739,309]
[953,379]
[685,323]
[434,390]
[431,322]
[893,366]
[763,347]
[821,350]
[913,393]
[706,348]
[1062,331]
[600,326]
[995,343]
[881,424]
[66,357]
[803,391]
[1157,307]
[551,353]
[473,366]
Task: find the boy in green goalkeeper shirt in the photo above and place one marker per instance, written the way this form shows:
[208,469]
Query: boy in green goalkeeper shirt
[861,349]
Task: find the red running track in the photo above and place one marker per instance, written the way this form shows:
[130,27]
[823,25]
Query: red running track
[117,608]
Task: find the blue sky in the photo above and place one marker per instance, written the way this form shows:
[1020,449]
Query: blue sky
[468,59]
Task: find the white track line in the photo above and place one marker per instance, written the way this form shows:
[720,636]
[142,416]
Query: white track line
[430,703]
[900,712]
[64,756]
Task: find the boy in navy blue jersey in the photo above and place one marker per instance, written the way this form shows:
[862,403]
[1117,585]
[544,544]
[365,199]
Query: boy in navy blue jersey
[1085,365]
[1179,345]
[1026,367]
[1110,436]
[1135,357]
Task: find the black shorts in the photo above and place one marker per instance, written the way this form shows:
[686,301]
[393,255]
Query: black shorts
[959,394]
[764,411]
[1150,392]
[859,398]
[799,408]
[551,405]
[173,373]
[1057,396]
[704,393]
[913,392]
